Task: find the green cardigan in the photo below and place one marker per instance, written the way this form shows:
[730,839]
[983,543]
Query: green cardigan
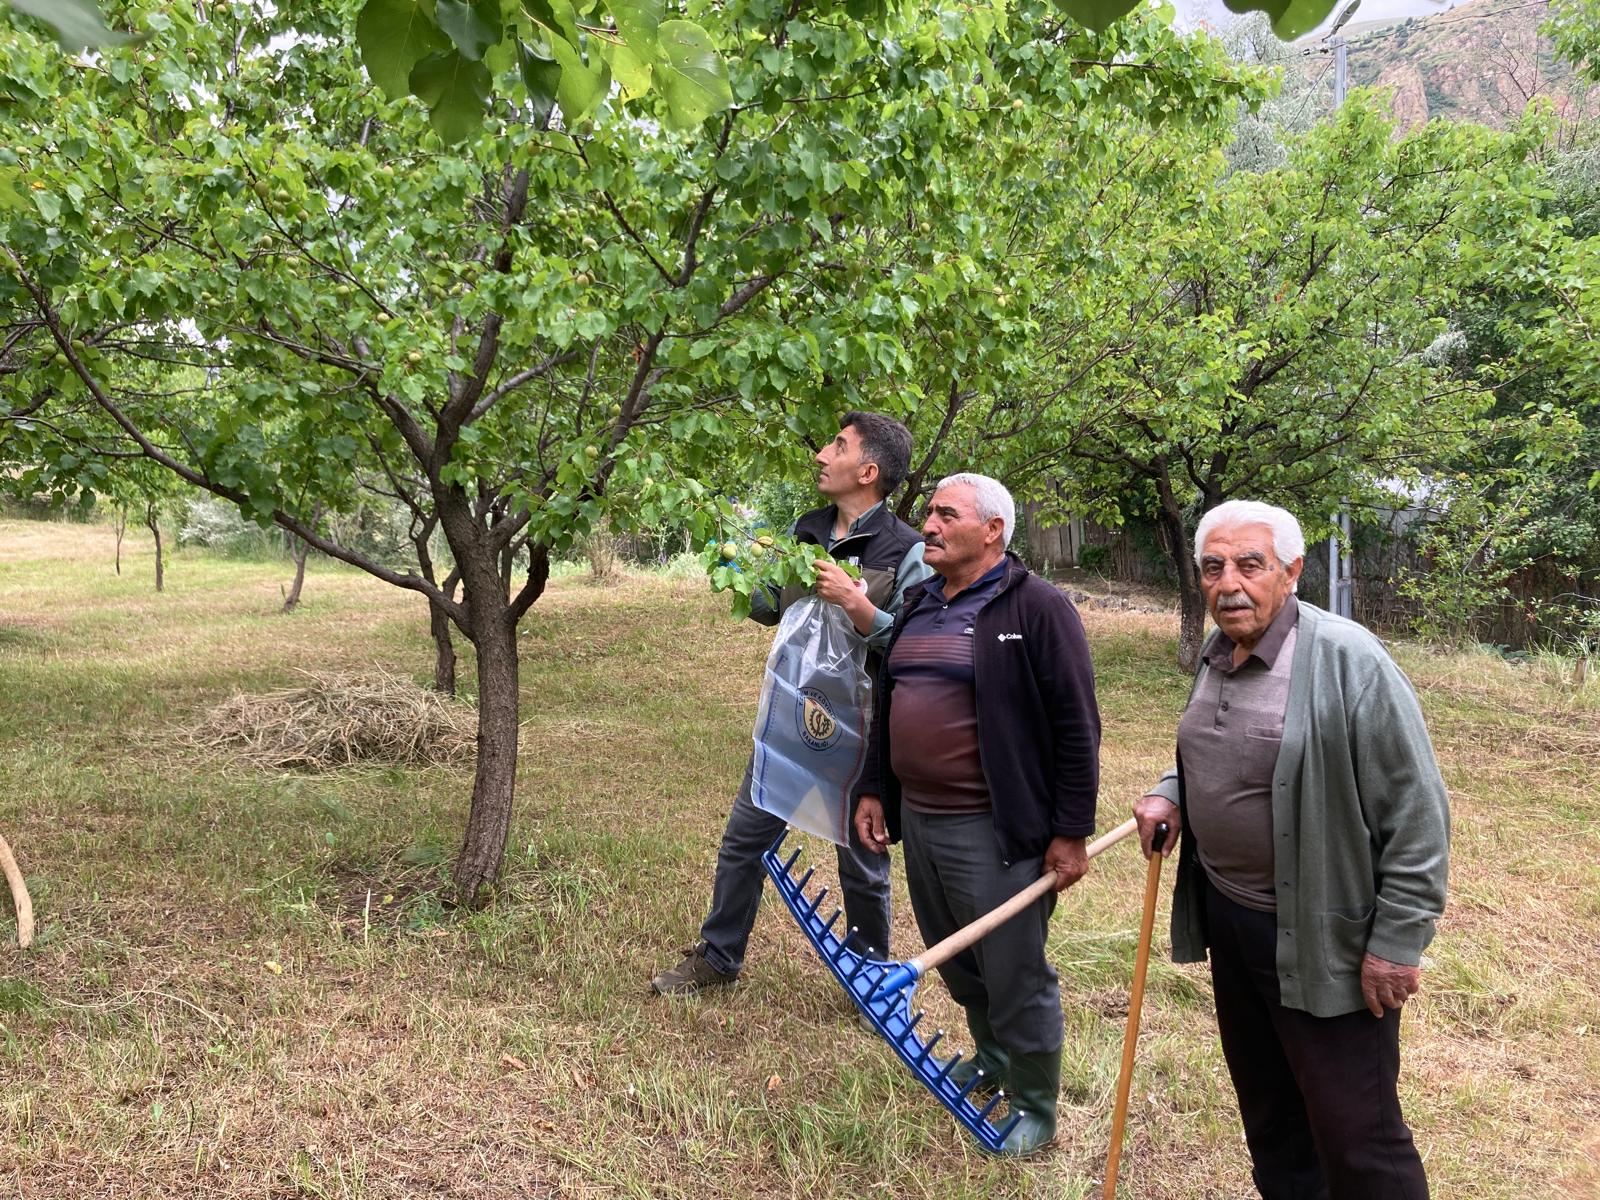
[1360,820]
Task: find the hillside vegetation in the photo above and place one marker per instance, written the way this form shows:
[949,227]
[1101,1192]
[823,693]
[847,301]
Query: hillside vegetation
[1482,62]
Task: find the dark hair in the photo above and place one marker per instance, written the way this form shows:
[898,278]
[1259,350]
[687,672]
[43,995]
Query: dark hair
[884,441]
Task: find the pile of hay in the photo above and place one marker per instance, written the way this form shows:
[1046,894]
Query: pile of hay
[335,720]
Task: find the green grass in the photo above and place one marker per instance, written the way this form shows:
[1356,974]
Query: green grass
[249,983]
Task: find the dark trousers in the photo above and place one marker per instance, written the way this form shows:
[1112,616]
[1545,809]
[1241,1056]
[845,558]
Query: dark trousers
[736,891]
[1317,1094]
[955,874]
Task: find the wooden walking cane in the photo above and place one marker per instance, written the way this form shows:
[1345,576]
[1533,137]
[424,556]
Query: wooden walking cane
[1130,1039]
[941,952]
[19,895]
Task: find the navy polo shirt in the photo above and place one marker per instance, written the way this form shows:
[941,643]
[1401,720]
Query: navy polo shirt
[933,723]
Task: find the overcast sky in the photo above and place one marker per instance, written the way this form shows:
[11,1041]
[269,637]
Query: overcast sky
[1192,11]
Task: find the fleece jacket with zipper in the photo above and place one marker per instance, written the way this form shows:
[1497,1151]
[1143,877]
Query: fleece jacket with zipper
[1038,724]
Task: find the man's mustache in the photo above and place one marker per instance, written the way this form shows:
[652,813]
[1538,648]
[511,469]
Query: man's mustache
[933,539]
[1234,602]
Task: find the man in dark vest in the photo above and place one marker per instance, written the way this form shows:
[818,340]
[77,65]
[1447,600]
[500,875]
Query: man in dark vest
[859,469]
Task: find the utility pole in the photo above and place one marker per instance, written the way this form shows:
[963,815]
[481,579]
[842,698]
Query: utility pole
[1341,563]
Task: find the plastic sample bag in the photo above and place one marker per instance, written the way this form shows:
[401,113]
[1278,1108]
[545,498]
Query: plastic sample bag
[812,723]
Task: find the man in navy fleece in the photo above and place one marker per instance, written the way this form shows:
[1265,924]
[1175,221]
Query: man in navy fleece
[985,759]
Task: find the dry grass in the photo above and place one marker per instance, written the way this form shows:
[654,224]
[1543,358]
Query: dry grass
[247,984]
[334,720]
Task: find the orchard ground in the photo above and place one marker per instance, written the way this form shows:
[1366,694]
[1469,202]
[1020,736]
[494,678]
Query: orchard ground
[247,983]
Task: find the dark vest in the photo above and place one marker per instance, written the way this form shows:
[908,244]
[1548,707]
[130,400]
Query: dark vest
[879,546]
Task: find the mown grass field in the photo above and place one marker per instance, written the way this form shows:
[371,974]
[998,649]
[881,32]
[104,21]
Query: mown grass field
[247,984]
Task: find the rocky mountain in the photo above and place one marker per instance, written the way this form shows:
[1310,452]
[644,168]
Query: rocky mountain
[1483,61]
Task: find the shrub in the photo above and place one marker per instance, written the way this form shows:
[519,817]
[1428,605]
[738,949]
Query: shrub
[218,526]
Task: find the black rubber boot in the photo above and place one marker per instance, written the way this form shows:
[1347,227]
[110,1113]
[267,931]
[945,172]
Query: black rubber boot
[987,1056]
[1033,1084]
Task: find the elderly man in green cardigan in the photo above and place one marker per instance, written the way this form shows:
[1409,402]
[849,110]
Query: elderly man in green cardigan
[1313,864]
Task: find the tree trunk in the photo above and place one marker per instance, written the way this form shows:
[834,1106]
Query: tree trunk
[1174,538]
[494,639]
[444,651]
[1191,624]
[302,550]
[155,529]
[121,526]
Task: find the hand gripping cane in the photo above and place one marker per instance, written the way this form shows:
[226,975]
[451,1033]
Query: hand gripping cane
[1130,1039]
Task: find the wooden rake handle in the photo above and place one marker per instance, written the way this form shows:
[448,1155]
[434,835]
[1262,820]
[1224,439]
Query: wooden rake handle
[19,895]
[1130,1039]
[958,941]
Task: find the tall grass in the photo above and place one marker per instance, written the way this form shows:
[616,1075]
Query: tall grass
[250,983]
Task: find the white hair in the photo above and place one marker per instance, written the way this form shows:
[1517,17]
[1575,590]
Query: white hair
[990,498]
[1288,543]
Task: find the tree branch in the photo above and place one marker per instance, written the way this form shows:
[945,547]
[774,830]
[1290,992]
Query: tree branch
[199,479]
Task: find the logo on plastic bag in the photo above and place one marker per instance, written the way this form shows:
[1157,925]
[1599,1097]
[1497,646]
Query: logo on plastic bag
[818,728]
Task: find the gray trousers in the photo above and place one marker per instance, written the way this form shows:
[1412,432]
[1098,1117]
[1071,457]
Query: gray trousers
[955,874]
[736,892]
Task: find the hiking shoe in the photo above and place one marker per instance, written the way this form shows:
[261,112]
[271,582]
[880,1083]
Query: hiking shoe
[693,974]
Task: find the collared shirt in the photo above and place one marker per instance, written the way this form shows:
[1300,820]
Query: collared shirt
[1229,740]
[933,734]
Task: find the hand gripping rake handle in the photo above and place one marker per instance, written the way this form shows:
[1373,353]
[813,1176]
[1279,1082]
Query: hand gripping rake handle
[1130,1040]
[912,970]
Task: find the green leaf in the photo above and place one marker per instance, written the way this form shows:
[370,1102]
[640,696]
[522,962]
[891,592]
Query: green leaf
[502,56]
[581,87]
[456,91]
[693,77]
[473,27]
[394,36]
[556,16]
[1290,18]
[1273,8]
[10,196]
[591,324]
[541,76]
[1098,15]
[639,25]
[631,72]
[1301,17]
[77,23]
[49,205]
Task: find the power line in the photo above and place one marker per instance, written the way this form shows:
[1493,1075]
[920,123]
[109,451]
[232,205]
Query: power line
[1313,91]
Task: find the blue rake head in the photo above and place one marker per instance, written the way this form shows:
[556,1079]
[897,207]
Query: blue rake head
[889,1009]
